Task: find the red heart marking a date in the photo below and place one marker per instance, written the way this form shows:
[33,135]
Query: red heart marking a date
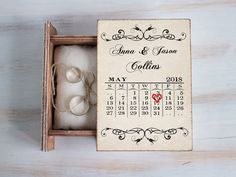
[156,97]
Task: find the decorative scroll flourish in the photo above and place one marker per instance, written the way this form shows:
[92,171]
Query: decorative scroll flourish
[151,134]
[147,34]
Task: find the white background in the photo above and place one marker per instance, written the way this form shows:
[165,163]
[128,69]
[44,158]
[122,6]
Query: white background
[214,90]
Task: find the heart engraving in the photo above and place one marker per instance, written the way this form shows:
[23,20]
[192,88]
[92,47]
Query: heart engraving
[156,97]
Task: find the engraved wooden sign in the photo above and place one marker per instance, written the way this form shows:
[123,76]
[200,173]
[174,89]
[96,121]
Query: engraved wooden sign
[144,85]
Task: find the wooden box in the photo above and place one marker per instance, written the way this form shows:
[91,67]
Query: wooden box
[52,39]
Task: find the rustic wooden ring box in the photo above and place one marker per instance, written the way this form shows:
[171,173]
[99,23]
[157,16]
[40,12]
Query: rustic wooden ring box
[51,40]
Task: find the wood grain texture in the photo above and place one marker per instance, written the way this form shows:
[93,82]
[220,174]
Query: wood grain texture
[214,90]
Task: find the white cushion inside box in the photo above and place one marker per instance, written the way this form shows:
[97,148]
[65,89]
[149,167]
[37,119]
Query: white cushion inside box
[84,58]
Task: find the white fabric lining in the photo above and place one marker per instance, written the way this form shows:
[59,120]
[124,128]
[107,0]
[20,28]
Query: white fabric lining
[83,57]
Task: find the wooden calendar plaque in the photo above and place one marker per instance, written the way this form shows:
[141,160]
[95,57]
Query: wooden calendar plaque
[144,85]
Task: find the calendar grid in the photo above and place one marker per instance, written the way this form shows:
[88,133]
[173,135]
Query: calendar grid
[145,99]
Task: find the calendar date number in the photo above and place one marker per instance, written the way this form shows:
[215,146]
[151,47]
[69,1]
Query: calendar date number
[174,79]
